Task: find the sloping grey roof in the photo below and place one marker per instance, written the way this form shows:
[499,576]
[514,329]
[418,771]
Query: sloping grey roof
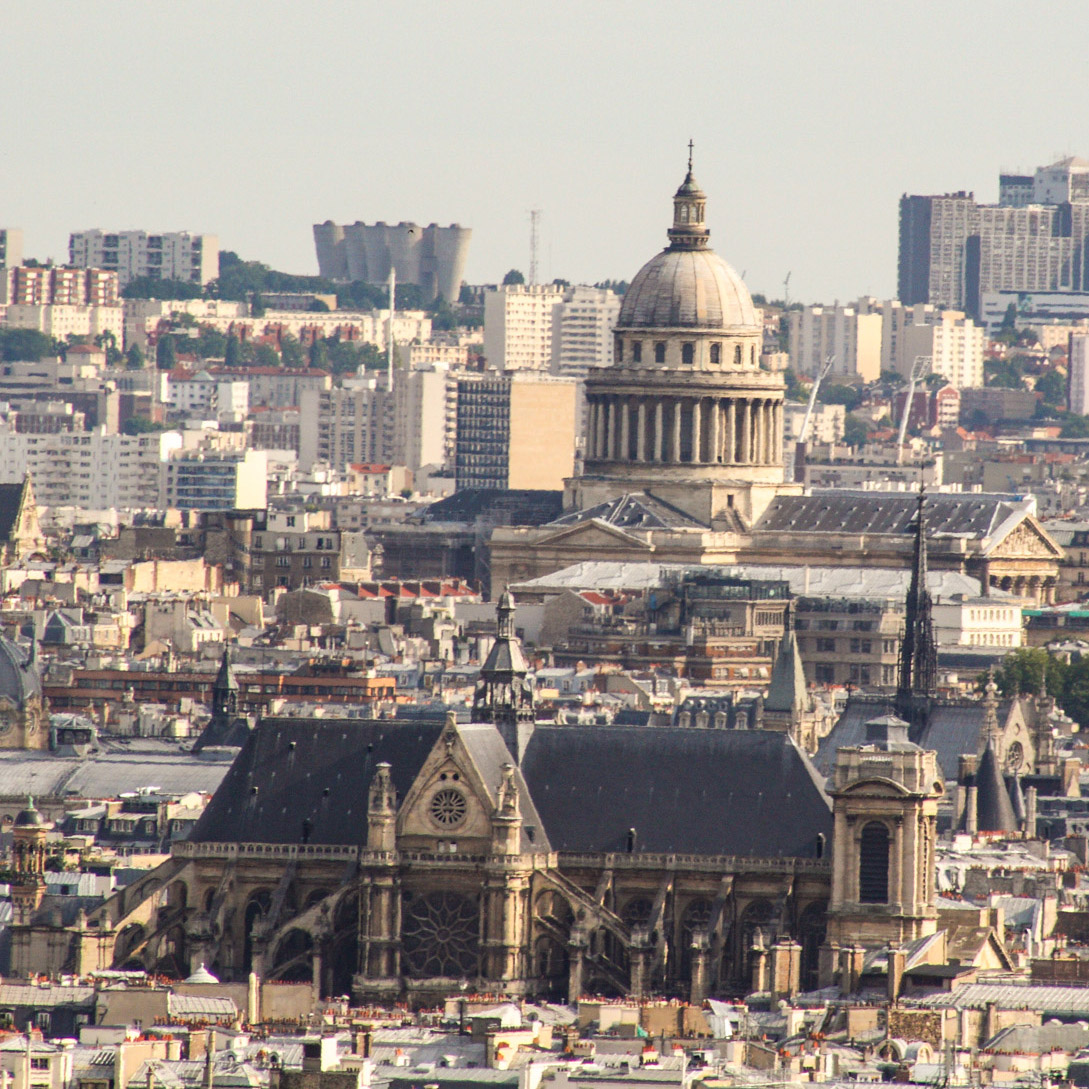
[634,510]
[955,727]
[974,516]
[689,288]
[994,812]
[53,994]
[732,792]
[510,506]
[11,499]
[187,1005]
[787,691]
[312,772]
[19,676]
[1039,1039]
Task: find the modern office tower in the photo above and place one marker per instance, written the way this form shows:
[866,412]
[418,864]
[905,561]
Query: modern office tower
[1078,381]
[190,258]
[11,247]
[582,330]
[934,233]
[515,431]
[431,257]
[518,322]
[853,337]
[954,345]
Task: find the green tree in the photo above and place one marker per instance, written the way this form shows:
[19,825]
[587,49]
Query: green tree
[1051,388]
[264,355]
[1074,699]
[514,277]
[141,425]
[134,358]
[257,305]
[166,353]
[1022,672]
[25,344]
[848,396]
[854,431]
[1076,427]
[318,354]
[144,287]
[232,354]
[291,351]
[1005,373]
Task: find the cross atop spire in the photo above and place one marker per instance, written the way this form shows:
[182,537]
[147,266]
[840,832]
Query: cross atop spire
[690,156]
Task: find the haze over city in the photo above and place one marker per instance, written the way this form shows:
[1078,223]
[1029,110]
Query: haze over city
[254,121]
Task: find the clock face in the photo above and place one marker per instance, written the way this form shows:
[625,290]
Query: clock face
[1015,757]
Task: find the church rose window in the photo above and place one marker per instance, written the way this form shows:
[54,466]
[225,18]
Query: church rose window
[439,935]
[873,864]
[448,808]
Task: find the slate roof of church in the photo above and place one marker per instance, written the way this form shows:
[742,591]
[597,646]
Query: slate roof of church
[972,516]
[955,727]
[316,771]
[11,499]
[514,506]
[633,510]
[684,790]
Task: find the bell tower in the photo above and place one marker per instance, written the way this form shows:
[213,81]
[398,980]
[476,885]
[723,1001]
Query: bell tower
[28,850]
[885,803]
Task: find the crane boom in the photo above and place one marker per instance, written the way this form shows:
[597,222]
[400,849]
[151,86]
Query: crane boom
[919,367]
[821,375]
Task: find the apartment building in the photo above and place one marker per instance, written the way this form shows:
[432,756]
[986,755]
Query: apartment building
[11,246]
[209,397]
[582,330]
[826,424]
[37,285]
[515,431]
[179,255]
[205,479]
[346,425]
[851,336]
[1078,374]
[518,324]
[954,345]
[91,470]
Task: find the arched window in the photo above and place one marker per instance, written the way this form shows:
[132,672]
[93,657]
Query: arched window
[688,353]
[752,355]
[659,351]
[637,351]
[716,354]
[737,355]
[873,864]
[619,350]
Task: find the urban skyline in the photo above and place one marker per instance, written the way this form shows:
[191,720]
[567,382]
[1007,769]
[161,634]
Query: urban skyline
[808,129]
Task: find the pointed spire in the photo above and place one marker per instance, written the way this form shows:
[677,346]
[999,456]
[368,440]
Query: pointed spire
[690,145]
[993,806]
[918,650]
[787,692]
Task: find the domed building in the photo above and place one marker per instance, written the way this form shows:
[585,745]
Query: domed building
[684,434]
[685,413]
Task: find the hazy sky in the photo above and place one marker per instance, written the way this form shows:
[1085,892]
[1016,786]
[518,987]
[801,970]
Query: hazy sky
[255,120]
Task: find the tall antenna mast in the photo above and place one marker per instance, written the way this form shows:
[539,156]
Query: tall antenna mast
[389,327]
[534,231]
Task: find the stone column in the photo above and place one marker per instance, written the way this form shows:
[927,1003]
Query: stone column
[641,433]
[716,431]
[625,429]
[676,452]
[659,429]
[758,432]
[697,431]
[778,452]
[746,432]
[576,951]
[731,431]
[701,951]
[610,428]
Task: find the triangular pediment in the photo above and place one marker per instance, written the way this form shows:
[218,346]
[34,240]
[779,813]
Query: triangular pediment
[1026,540]
[595,534]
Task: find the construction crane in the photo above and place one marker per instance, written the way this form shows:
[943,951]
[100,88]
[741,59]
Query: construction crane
[799,445]
[822,374]
[918,368]
[534,230]
[786,292]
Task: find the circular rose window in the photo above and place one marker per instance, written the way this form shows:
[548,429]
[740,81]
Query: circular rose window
[448,807]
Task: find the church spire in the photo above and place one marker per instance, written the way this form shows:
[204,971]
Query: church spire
[689,232]
[918,651]
[503,693]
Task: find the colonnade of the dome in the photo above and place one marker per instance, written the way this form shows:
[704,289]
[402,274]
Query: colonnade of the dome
[702,429]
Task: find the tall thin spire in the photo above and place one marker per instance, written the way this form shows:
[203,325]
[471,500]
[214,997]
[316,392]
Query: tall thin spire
[918,651]
[690,155]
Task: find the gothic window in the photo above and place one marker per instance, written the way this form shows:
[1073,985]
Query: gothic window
[716,354]
[439,935]
[659,351]
[737,355]
[637,351]
[873,864]
[448,807]
[688,353]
